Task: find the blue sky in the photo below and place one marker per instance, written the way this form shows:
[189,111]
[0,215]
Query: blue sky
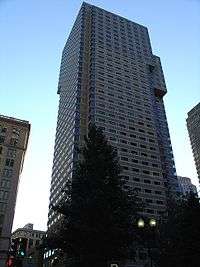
[33,34]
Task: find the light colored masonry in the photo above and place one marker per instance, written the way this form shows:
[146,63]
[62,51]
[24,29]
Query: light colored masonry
[14,134]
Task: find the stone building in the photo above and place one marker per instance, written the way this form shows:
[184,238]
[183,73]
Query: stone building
[14,134]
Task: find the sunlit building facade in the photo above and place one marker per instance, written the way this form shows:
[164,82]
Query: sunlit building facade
[14,134]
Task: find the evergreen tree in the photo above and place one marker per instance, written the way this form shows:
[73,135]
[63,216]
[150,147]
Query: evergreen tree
[98,213]
[180,234]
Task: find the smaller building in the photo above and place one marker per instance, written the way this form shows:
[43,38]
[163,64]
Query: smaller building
[25,245]
[186,185]
[32,237]
[14,135]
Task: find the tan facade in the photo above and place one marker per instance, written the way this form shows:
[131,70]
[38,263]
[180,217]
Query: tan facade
[14,134]
[32,236]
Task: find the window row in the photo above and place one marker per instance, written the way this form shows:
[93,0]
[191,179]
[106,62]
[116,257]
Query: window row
[4,195]
[145,163]
[142,171]
[13,141]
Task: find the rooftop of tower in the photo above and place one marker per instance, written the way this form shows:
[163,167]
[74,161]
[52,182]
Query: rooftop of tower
[14,120]
[194,110]
[114,14]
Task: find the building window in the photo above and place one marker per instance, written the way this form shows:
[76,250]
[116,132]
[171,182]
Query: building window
[11,153]
[143,146]
[124,158]
[3,129]
[133,144]
[16,131]
[134,152]
[138,189]
[144,154]
[13,141]
[158,192]
[125,167]
[7,173]
[147,191]
[9,162]
[1,219]
[155,165]
[147,181]
[2,139]
[30,244]
[2,207]
[150,211]
[5,184]
[3,195]
[149,200]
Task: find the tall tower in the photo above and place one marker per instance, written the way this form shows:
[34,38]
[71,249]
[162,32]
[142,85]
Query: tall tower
[14,134]
[110,77]
[186,185]
[193,125]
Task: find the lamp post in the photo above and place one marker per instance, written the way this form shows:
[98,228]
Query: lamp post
[150,225]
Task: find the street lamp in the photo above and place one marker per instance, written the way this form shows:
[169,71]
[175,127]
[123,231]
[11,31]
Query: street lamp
[151,224]
[140,223]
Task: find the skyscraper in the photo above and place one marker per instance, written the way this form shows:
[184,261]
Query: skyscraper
[110,77]
[186,185]
[14,134]
[193,125]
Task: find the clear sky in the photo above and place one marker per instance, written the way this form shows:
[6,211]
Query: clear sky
[33,34]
